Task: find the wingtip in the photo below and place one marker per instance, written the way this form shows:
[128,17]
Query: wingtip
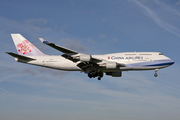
[43,41]
[8,52]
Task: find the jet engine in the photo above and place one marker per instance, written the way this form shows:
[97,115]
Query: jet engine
[85,58]
[114,74]
[111,65]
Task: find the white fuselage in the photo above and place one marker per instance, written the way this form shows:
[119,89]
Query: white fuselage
[94,65]
[132,61]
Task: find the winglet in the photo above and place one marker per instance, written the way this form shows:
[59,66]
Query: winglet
[43,41]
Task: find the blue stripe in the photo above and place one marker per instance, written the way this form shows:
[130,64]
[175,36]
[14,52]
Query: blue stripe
[161,64]
[153,63]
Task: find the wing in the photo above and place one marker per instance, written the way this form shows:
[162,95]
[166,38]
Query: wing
[69,54]
[85,62]
[57,47]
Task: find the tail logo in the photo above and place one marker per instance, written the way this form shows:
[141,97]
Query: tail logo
[24,47]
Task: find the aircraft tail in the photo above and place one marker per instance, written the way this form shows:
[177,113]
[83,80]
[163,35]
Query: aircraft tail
[24,47]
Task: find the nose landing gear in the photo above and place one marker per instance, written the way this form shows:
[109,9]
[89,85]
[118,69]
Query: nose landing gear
[155,75]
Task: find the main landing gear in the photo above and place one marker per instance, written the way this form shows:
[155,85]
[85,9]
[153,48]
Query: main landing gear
[155,75]
[94,74]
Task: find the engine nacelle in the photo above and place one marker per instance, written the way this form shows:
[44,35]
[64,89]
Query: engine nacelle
[111,65]
[85,58]
[114,74]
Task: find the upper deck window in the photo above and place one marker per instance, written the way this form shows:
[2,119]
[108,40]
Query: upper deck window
[145,54]
[130,54]
[160,54]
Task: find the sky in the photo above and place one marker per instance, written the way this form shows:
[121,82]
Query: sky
[93,27]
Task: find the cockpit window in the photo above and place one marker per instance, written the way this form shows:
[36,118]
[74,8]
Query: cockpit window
[160,54]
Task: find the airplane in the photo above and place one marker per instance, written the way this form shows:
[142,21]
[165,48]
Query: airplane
[93,65]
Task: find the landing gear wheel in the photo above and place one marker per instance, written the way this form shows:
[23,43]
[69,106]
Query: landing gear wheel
[155,75]
[93,74]
[89,75]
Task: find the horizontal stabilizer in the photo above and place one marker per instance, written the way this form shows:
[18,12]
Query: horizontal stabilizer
[20,56]
[57,47]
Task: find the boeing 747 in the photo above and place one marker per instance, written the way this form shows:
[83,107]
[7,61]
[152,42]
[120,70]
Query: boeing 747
[93,65]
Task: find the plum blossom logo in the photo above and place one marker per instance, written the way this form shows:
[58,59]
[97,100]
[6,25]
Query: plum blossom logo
[24,47]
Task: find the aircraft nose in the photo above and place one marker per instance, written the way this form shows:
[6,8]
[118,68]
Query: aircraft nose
[172,62]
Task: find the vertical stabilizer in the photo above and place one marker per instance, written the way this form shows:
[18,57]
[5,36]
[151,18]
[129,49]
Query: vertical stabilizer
[24,47]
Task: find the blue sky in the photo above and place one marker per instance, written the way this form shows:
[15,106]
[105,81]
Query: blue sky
[93,27]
